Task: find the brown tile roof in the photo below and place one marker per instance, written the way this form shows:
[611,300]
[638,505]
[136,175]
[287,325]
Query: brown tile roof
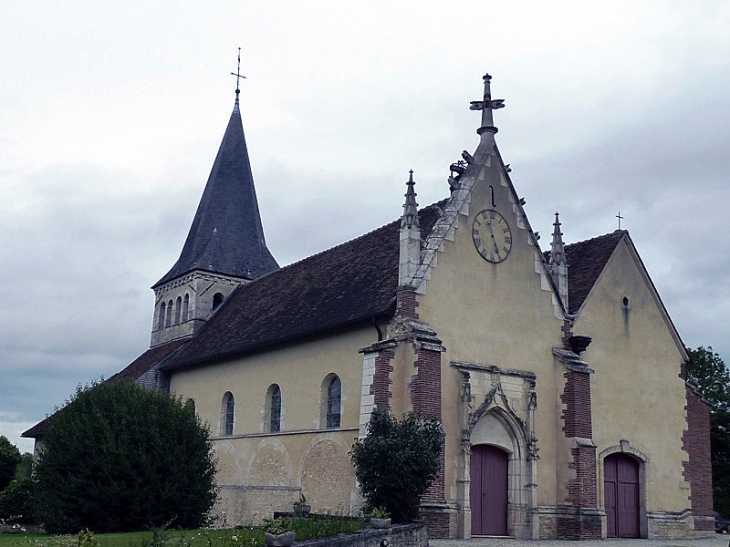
[586,260]
[346,285]
[130,373]
[147,360]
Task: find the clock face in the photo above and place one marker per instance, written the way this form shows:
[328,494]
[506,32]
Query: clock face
[492,236]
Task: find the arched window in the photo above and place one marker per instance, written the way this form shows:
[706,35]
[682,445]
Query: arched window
[178,310]
[190,405]
[185,307]
[227,414]
[273,402]
[168,318]
[333,400]
[217,300]
[161,318]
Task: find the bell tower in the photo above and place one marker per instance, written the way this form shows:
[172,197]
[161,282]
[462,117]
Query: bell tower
[225,246]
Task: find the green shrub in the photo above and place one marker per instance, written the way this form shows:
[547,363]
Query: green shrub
[397,461]
[121,458]
[16,502]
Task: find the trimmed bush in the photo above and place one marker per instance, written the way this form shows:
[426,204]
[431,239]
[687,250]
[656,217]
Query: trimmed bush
[121,458]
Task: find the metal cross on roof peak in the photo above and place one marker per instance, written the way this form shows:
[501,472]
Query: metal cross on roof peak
[620,218]
[238,74]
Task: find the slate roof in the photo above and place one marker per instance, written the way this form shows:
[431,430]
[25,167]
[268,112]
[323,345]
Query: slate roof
[226,235]
[586,260]
[130,373]
[346,285]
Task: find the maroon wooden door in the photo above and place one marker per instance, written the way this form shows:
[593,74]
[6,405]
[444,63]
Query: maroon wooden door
[621,494]
[488,493]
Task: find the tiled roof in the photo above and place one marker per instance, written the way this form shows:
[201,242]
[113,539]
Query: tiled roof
[134,370]
[586,260]
[148,360]
[226,235]
[348,284]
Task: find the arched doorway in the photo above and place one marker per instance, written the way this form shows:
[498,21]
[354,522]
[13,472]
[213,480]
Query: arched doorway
[621,495]
[488,496]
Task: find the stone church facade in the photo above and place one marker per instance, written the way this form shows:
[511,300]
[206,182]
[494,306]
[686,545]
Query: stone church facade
[558,375]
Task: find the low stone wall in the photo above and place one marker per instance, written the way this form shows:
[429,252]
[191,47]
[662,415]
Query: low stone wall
[399,535]
[670,525]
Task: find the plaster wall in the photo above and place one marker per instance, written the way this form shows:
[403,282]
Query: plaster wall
[260,472]
[502,315]
[637,394]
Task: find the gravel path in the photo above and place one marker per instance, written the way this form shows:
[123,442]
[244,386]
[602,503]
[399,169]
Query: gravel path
[711,541]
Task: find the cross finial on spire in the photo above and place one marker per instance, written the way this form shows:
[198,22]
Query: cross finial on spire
[238,75]
[620,218]
[486,106]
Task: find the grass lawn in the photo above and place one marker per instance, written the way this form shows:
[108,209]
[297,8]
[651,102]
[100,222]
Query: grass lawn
[171,538]
[246,537]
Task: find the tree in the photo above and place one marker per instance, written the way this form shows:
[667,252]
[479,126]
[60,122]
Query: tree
[397,462]
[9,460]
[25,466]
[707,372]
[16,502]
[118,458]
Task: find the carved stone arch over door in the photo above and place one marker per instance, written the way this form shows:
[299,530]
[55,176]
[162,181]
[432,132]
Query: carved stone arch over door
[497,417]
[495,438]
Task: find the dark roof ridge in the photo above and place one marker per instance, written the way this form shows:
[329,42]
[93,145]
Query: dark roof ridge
[615,233]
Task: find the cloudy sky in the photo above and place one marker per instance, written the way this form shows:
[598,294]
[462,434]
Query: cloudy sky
[111,114]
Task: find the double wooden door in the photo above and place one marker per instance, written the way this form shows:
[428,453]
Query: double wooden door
[488,495]
[621,494]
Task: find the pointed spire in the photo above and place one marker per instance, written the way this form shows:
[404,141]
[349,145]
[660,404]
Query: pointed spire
[486,106]
[558,263]
[410,237]
[226,236]
[557,248]
[410,208]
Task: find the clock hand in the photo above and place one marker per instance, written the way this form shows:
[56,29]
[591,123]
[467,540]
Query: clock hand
[496,247]
[494,240]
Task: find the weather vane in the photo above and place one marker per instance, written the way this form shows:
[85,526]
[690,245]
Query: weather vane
[238,74]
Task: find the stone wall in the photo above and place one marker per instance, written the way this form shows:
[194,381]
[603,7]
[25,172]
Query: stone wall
[670,525]
[565,522]
[403,535]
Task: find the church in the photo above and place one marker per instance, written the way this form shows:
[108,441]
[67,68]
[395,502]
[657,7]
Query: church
[557,374]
